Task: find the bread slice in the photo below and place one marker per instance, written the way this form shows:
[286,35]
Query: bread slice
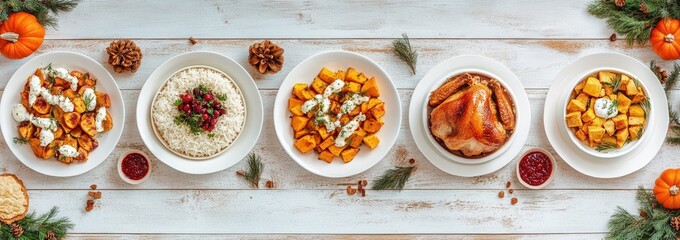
[13,199]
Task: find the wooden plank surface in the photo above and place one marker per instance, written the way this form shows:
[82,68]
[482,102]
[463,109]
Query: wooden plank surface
[343,237]
[329,19]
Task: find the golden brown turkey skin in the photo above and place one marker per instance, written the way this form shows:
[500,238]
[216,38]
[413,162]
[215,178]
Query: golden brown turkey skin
[466,121]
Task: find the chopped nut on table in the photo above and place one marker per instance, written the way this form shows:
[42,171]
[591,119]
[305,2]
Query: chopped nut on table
[513,201]
[89,206]
[501,194]
[95,195]
[93,186]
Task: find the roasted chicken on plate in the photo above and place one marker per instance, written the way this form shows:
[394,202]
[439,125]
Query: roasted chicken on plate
[472,115]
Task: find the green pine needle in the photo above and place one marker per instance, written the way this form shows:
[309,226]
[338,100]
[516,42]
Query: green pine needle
[37,227]
[651,223]
[630,21]
[402,48]
[44,10]
[254,171]
[393,179]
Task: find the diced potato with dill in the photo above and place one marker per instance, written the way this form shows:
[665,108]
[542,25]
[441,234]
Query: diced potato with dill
[372,125]
[370,87]
[593,87]
[609,127]
[581,135]
[348,154]
[371,141]
[335,150]
[598,122]
[301,133]
[370,104]
[326,156]
[634,121]
[595,133]
[625,79]
[351,87]
[621,137]
[327,143]
[575,106]
[323,132]
[620,121]
[636,111]
[298,122]
[327,75]
[583,98]
[295,106]
[588,116]
[574,119]
[378,111]
[631,88]
[634,132]
[352,75]
[339,75]
[305,144]
[579,87]
[624,103]
[609,140]
[318,85]
[356,138]
[606,77]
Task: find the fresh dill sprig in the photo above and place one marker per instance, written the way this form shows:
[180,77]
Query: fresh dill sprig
[402,48]
[20,140]
[88,100]
[394,179]
[254,171]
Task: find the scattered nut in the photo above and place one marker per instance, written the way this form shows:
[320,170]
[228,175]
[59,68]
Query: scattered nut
[364,183]
[411,161]
[93,186]
[363,192]
[513,201]
[192,40]
[240,173]
[508,184]
[270,184]
[89,206]
[511,190]
[351,191]
[501,194]
[95,195]
[612,37]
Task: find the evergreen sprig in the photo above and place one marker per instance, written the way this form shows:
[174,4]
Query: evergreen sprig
[37,227]
[45,11]
[673,136]
[630,20]
[653,221]
[394,179]
[254,171]
[402,48]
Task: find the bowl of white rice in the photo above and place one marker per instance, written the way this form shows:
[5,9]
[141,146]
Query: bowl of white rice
[178,138]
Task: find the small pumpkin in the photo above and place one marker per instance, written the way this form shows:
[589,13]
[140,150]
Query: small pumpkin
[20,35]
[665,39]
[667,188]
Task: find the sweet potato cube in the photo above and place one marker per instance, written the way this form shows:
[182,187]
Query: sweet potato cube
[327,75]
[378,111]
[588,116]
[598,122]
[634,121]
[579,87]
[631,88]
[371,141]
[574,119]
[349,154]
[356,138]
[323,132]
[609,127]
[305,144]
[634,132]
[352,75]
[606,77]
[639,97]
[593,87]
[624,103]
[595,134]
[371,88]
[339,75]
[301,133]
[636,111]
[583,98]
[299,122]
[327,143]
[592,103]
[372,102]
[295,106]
[326,156]
[298,88]
[335,150]
[621,137]
[620,121]
[581,135]
[608,90]
[575,106]
[608,140]
[372,125]
[625,79]
[351,87]
[26,130]
[318,85]
[35,146]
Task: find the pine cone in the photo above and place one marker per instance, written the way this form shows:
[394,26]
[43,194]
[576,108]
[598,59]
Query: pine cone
[643,8]
[124,55]
[620,3]
[51,236]
[266,57]
[16,230]
[675,223]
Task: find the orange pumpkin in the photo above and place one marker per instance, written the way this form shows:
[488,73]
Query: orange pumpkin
[667,188]
[20,35]
[665,39]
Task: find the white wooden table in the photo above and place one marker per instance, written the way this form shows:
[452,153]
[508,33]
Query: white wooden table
[535,39]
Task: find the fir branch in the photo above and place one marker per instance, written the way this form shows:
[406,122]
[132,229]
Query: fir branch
[651,223]
[402,48]
[394,179]
[630,21]
[44,10]
[255,167]
[605,147]
[36,227]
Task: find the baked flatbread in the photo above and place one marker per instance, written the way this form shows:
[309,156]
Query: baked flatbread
[13,199]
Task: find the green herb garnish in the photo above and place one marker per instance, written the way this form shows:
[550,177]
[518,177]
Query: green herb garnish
[20,140]
[254,171]
[177,102]
[394,179]
[604,147]
[402,48]
[221,96]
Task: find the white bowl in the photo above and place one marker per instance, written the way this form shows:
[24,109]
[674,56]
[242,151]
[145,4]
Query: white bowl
[305,72]
[119,166]
[552,172]
[626,148]
[105,83]
[426,120]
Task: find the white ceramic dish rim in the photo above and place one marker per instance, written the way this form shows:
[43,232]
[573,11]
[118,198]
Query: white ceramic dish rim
[552,172]
[239,149]
[334,169]
[52,167]
[440,148]
[165,143]
[594,166]
[120,167]
[626,147]
[420,94]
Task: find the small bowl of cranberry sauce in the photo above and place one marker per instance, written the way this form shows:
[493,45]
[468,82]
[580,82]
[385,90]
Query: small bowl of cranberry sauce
[134,167]
[536,168]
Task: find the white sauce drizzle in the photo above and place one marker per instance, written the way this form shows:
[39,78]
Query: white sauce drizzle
[605,108]
[48,125]
[99,119]
[92,102]
[348,129]
[68,151]
[64,74]
[35,90]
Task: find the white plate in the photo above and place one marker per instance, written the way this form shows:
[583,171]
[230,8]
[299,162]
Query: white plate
[443,151]
[105,83]
[421,133]
[238,150]
[583,162]
[305,72]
